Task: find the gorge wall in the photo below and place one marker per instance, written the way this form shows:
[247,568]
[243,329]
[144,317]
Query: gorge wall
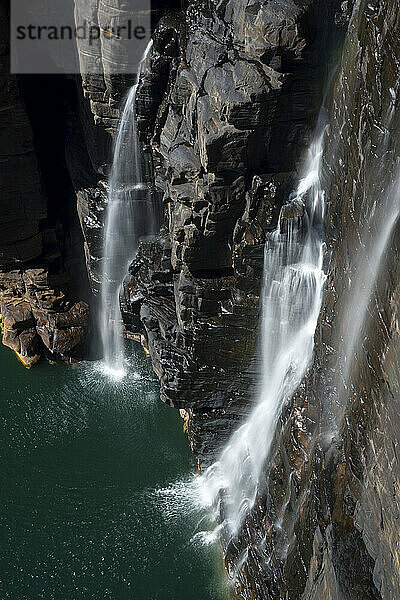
[326,524]
[43,282]
[355,549]
[225,112]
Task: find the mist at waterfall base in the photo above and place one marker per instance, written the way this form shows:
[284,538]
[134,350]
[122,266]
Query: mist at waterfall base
[132,213]
[81,459]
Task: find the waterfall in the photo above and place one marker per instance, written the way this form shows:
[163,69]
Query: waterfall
[291,301]
[131,213]
[374,233]
[375,239]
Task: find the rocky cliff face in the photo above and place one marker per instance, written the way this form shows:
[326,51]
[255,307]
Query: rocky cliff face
[326,527]
[42,271]
[225,112]
[359,413]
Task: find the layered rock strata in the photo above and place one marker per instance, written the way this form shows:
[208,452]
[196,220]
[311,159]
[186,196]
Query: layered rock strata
[327,524]
[225,114]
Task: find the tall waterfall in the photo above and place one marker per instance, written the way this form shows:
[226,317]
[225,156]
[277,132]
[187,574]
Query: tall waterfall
[291,302]
[131,213]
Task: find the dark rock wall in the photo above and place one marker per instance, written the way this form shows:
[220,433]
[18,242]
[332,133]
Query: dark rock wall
[42,271]
[327,527]
[360,418]
[225,112]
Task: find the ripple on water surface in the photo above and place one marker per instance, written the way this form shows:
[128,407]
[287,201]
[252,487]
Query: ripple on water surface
[86,464]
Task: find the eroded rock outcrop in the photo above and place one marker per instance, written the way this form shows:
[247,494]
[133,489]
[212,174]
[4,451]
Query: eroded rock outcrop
[42,274]
[227,109]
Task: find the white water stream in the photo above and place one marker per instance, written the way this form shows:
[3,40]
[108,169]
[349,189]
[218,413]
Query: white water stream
[131,213]
[291,302]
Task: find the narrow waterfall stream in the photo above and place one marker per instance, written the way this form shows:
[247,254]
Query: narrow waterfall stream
[291,302]
[374,239]
[131,213]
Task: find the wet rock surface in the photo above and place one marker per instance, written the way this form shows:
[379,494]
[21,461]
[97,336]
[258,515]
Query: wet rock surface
[227,109]
[359,406]
[326,524]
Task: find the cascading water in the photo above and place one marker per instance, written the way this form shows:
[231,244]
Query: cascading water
[291,302]
[375,238]
[131,213]
[374,235]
